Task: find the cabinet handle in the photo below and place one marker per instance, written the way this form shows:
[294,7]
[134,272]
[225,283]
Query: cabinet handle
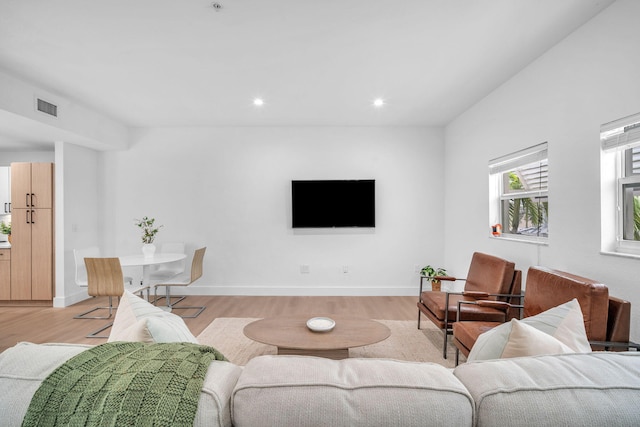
[32,204]
[33,217]
[5,208]
[28,221]
[27,200]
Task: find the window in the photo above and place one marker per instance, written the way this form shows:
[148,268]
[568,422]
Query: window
[620,174]
[630,195]
[519,184]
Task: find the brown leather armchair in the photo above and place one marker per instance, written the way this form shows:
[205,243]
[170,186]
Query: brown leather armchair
[489,277]
[606,318]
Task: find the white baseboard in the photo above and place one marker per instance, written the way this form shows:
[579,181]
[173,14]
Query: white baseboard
[67,300]
[293,291]
[81,294]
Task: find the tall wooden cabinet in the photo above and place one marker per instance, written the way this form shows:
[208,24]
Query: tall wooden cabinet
[32,231]
[5,274]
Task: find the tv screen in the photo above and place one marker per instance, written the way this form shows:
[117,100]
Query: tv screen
[333,203]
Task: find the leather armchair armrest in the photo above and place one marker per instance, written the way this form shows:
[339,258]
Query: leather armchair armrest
[441,278]
[476,294]
[499,305]
[447,278]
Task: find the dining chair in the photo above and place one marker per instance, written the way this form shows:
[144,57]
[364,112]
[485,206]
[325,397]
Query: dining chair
[184,279]
[104,278]
[81,272]
[169,270]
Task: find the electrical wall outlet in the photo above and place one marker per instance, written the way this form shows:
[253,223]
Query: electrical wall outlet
[345,269]
[305,269]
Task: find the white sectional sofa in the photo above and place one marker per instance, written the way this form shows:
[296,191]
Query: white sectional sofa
[570,390]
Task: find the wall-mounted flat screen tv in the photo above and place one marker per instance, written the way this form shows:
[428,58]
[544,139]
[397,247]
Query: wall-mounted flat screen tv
[333,203]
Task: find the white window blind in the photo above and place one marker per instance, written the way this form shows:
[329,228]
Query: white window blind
[519,158]
[621,134]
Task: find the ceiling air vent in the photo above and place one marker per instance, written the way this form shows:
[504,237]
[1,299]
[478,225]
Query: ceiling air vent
[47,108]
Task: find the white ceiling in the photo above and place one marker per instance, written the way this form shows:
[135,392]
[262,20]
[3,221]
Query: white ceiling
[315,63]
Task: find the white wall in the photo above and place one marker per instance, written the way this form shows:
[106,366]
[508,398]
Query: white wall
[588,79]
[78,217]
[74,123]
[8,157]
[229,189]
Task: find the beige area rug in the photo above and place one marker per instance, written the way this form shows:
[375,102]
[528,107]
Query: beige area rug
[405,343]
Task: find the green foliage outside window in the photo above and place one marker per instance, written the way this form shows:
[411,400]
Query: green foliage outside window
[636,218]
[525,212]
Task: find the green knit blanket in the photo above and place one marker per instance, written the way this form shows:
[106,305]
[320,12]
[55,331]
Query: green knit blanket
[124,384]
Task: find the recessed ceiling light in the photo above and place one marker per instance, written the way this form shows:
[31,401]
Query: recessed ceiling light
[258,102]
[378,102]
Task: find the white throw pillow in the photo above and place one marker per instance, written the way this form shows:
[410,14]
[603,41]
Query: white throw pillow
[137,320]
[564,322]
[525,340]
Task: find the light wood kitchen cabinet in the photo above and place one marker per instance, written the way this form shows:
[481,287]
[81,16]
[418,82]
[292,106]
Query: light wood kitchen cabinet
[32,231]
[31,185]
[5,274]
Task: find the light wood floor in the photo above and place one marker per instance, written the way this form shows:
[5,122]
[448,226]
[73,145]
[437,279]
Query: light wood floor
[47,324]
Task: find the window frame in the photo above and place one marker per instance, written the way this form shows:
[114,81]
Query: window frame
[620,140]
[498,168]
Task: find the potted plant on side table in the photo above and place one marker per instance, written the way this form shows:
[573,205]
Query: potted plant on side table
[432,274]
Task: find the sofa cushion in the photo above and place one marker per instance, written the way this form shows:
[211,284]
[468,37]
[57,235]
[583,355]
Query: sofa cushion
[22,369]
[311,391]
[525,340]
[570,389]
[564,322]
[24,366]
[137,320]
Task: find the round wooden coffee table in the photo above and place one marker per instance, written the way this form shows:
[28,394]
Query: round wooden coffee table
[291,335]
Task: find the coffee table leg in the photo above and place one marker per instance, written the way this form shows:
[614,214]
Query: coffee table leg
[336,354]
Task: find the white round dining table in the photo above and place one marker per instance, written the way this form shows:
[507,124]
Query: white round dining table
[146,262]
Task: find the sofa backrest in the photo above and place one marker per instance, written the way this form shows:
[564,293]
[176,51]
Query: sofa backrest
[547,288]
[491,274]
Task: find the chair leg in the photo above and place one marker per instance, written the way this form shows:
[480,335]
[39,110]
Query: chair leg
[169,303]
[419,313]
[171,306]
[109,307]
[457,356]
[444,347]
[200,310]
[95,333]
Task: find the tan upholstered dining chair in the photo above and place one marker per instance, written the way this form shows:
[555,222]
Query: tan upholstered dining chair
[81,272]
[184,279]
[104,277]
